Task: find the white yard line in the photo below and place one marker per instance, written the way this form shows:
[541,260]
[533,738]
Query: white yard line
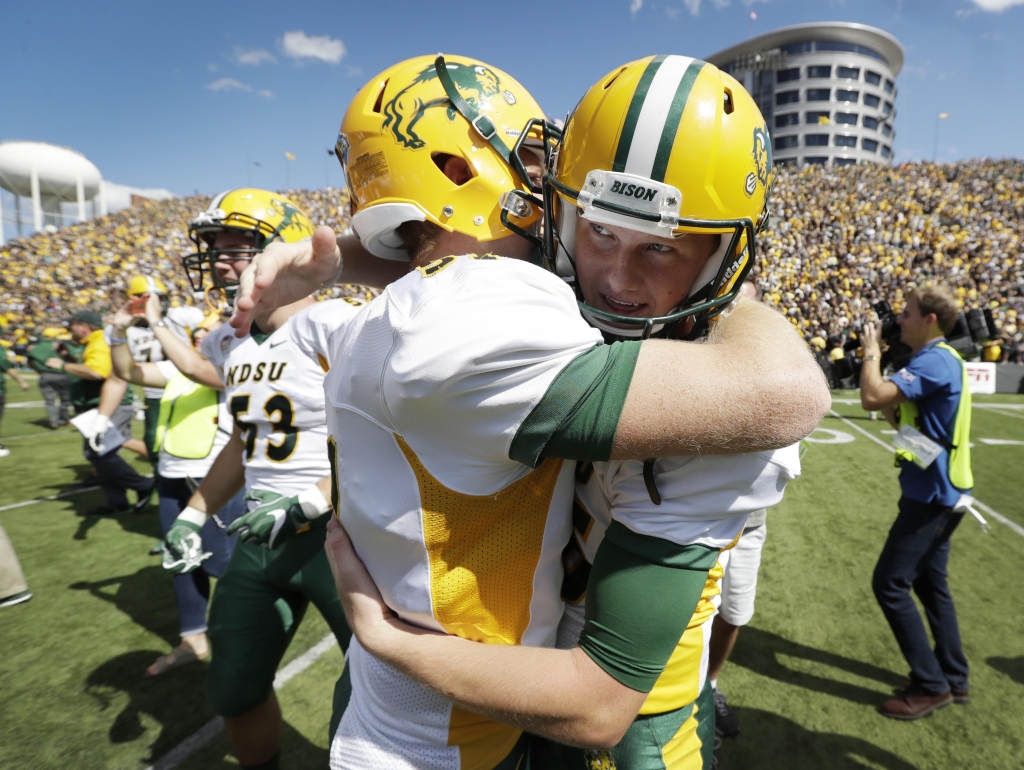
[994,514]
[45,433]
[44,499]
[211,729]
[26,404]
[1007,414]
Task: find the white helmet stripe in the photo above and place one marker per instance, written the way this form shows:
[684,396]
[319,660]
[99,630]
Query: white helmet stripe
[653,114]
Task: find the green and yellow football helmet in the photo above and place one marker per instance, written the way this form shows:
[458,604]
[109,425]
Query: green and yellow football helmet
[403,123]
[143,285]
[266,215]
[664,145]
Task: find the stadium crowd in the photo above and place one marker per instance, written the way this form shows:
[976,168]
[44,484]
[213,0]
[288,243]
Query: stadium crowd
[844,238]
[840,239]
[49,276]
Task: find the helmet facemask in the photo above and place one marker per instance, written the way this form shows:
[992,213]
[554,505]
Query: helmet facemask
[200,265]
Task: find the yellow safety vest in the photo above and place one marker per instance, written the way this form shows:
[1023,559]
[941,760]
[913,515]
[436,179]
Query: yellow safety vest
[187,425]
[907,413]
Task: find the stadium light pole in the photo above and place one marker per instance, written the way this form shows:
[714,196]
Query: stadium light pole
[938,119]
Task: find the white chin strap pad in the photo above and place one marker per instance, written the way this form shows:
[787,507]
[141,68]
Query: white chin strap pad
[375,228]
[567,213]
[709,272]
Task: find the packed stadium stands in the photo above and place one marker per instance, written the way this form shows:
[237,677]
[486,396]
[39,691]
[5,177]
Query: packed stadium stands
[49,276]
[844,238]
[840,239]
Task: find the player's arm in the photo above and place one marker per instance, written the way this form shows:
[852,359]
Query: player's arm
[587,696]
[754,385]
[182,547]
[286,272]
[127,368]
[188,360]
[225,477]
[277,518]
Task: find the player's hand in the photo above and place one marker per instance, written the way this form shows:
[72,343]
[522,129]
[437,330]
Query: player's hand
[154,312]
[182,549]
[274,521]
[99,430]
[122,319]
[23,384]
[871,339]
[368,616]
[284,273]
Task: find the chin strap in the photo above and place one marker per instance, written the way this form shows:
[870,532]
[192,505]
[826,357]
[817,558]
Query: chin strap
[483,125]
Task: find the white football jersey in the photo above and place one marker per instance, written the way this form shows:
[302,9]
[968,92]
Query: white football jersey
[436,376]
[705,500]
[144,348]
[274,392]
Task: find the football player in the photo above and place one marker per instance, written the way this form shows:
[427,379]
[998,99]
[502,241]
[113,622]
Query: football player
[277,450]
[652,530]
[474,378]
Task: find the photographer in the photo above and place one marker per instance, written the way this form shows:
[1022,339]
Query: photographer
[928,396]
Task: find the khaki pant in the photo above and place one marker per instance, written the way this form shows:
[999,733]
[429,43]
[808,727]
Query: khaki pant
[12,581]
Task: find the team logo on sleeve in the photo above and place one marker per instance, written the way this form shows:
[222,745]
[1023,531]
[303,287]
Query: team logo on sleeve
[475,83]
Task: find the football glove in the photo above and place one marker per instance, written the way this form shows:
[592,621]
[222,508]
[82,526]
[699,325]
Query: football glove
[99,431]
[278,518]
[181,550]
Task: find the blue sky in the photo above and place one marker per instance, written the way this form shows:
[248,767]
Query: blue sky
[179,95]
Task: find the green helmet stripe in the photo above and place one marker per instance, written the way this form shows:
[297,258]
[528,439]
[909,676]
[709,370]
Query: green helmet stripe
[633,113]
[675,114]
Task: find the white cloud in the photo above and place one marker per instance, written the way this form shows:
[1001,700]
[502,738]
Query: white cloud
[254,57]
[353,72]
[299,45]
[672,13]
[266,93]
[996,6]
[693,5]
[228,84]
[634,6]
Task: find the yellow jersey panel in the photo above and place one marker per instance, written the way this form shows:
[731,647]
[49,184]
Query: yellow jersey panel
[483,551]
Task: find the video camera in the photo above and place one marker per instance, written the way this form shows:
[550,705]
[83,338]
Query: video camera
[972,328]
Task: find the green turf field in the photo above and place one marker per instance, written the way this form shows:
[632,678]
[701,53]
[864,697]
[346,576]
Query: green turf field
[805,677]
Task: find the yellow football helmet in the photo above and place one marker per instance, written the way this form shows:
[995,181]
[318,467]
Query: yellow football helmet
[401,126]
[138,285]
[664,145]
[266,215]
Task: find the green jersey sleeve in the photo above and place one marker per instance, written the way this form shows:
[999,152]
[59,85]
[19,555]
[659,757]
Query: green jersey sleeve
[5,362]
[641,595]
[579,414]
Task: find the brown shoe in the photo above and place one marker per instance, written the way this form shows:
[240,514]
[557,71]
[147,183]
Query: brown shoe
[915,705]
[960,697]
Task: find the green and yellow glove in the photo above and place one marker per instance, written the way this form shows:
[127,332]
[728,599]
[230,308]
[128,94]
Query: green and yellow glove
[278,518]
[181,550]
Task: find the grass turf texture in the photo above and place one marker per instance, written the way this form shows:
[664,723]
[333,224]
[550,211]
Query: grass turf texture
[805,678]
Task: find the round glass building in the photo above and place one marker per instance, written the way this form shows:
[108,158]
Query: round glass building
[827,90]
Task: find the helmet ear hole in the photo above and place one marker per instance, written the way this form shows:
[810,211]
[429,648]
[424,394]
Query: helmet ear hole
[728,106]
[613,78]
[454,167]
[380,96]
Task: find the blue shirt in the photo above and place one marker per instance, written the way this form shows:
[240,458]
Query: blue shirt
[933,380]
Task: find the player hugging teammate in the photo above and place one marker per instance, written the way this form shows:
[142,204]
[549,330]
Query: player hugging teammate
[472,403]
